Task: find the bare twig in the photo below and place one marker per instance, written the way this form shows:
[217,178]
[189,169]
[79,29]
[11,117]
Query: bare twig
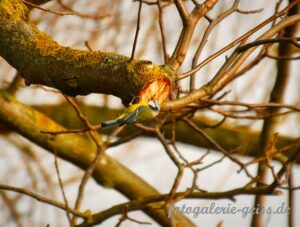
[100,150]
[41,199]
[48,10]
[125,217]
[270,124]
[223,78]
[209,29]
[162,30]
[238,40]
[83,15]
[252,106]
[291,199]
[137,30]
[190,21]
[12,208]
[291,40]
[217,146]
[61,185]
[166,147]
[137,204]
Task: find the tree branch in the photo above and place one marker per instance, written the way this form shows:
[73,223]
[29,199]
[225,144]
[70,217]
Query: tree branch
[74,72]
[189,23]
[42,199]
[140,203]
[271,123]
[39,2]
[228,136]
[224,77]
[80,151]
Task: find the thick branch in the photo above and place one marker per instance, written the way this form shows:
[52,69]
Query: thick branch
[79,151]
[228,136]
[189,23]
[137,204]
[41,60]
[270,124]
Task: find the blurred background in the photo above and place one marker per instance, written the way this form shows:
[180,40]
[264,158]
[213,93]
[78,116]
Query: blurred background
[110,26]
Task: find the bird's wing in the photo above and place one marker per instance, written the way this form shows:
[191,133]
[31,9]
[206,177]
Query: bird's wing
[106,124]
[132,117]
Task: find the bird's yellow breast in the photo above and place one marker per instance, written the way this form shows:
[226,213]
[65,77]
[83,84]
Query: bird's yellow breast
[133,107]
[143,115]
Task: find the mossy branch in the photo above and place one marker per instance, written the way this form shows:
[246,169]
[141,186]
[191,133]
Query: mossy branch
[41,60]
[80,151]
[230,137]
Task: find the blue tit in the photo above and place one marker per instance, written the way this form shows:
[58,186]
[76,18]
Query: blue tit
[139,112]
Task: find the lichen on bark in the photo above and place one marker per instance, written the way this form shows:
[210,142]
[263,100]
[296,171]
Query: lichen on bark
[43,61]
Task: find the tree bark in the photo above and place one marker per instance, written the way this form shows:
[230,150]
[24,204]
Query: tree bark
[41,60]
[80,151]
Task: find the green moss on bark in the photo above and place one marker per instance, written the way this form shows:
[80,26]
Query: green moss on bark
[41,60]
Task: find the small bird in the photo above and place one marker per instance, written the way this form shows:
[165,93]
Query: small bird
[139,112]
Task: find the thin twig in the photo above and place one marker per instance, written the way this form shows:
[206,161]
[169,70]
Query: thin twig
[125,217]
[41,199]
[190,20]
[12,208]
[238,40]
[48,10]
[61,185]
[291,199]
[271,123]
[162,31]
[217,146]
[291,40]
[140,203]
[209,29]
[137,30]
[100,150]
[83,15]
[252,106]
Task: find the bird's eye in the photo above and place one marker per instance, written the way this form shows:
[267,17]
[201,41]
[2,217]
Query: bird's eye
[154,105]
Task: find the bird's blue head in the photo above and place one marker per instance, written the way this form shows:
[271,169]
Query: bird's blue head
[154,105]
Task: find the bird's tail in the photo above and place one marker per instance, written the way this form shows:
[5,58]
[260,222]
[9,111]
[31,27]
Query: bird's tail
[106,124]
